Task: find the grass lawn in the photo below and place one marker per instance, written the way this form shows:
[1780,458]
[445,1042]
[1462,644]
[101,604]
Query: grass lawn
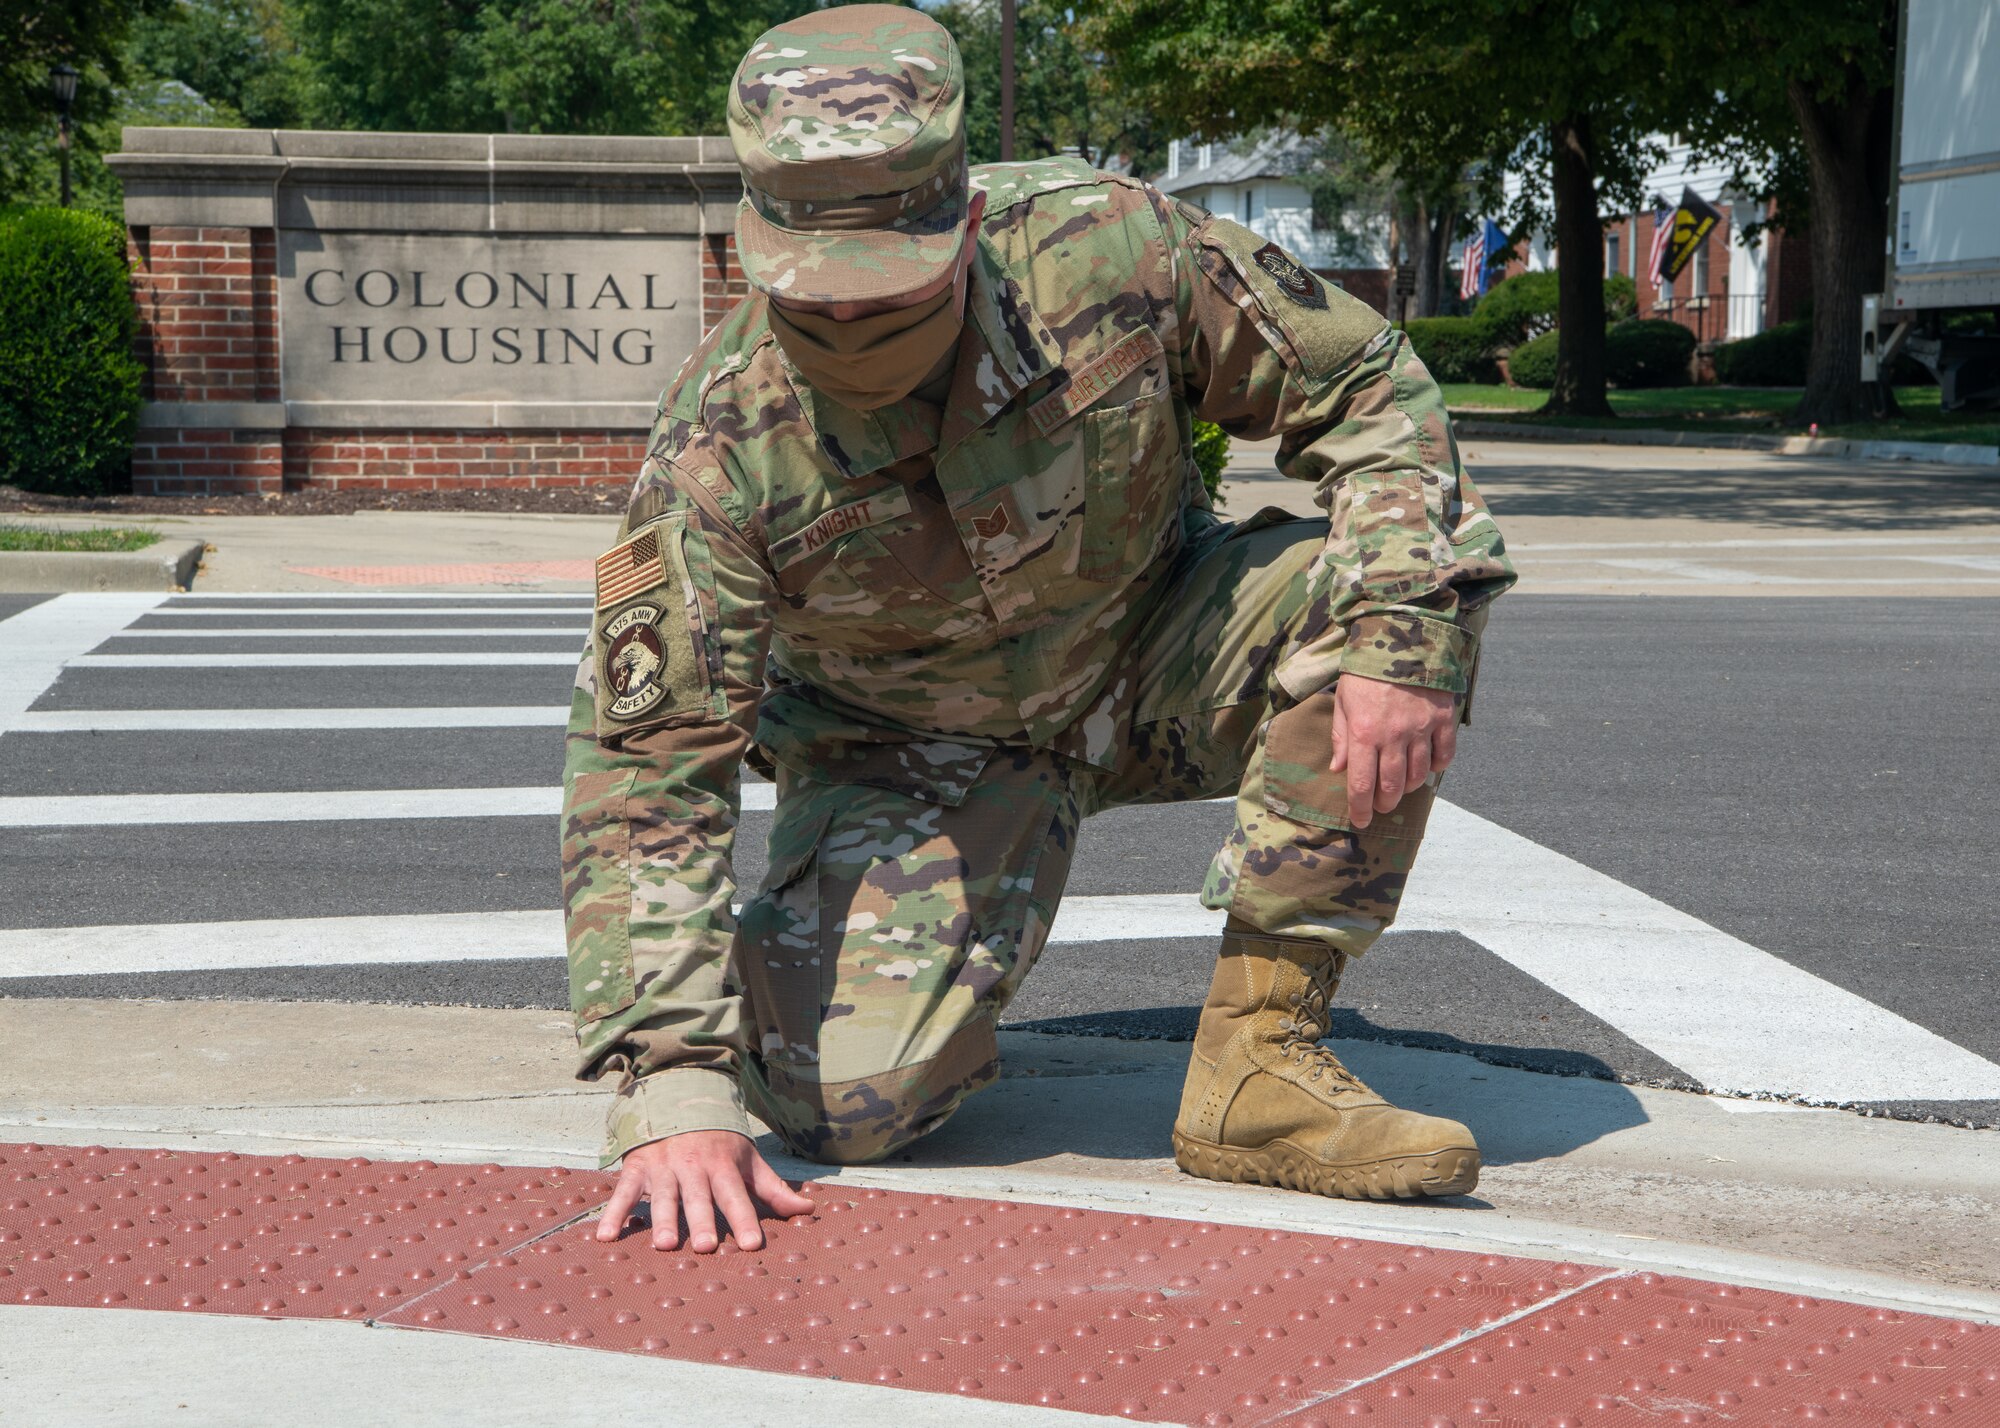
[1760,409]
[41,538]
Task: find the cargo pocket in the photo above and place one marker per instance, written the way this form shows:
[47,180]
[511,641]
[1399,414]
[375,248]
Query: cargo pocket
[1133,476]
[597,893]
[786,965]
[1299,786]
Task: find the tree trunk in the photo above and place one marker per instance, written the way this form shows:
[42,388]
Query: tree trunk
[1579,384]
[1405,230]
[1847,141]
[1430,244]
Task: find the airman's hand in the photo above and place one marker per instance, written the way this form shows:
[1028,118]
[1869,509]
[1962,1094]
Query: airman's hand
[700,1173]
[1389,738]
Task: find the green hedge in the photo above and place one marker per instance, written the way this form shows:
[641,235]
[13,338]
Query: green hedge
[1649,353]
[1525,305]
[1211,454]
[1775,357]
[69,384]
[1454,349]
[1653,353]
[1533,363]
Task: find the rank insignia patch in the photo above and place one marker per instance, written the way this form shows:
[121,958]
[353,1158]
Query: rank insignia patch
[634,675]
[1292,280]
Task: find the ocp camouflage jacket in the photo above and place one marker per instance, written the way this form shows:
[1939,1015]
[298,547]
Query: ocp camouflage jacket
[886,597]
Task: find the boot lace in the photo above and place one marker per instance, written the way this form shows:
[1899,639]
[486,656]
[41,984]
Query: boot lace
[1307,1022]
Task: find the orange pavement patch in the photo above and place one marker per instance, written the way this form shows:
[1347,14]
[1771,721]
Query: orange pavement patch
[503,572]
[1141,1316]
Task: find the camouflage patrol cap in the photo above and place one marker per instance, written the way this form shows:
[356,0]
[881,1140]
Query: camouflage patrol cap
[850,127]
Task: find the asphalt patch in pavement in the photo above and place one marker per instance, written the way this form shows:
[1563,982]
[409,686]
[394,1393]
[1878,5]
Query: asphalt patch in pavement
[327,687]
[12,605]
[302,761]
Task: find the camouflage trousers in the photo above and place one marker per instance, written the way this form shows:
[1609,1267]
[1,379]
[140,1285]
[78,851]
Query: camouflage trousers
[892,931]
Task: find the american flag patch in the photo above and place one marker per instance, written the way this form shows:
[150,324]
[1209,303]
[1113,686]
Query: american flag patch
[629,569]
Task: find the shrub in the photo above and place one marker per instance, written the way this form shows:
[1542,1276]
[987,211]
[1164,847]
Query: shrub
[1454,349]
[1649,353]
[1533,363]
[69,384]
[1211,454]
[1775,357]
[1525,305]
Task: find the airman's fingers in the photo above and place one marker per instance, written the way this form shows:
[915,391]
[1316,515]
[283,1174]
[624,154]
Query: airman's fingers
[1339,736]
[770,1187]
[1391,776]
[1361,785]
[734,1201]
[699,1207]
[1444,745]
[624,1199]
[666,1198]
[1419,760]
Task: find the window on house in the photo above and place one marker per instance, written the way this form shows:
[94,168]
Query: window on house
[1246,207]
[1697,272]
[1206,156]
[1612,267]
[1174,159]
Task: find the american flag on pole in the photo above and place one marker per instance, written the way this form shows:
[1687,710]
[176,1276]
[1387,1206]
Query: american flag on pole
[1471,282]
[1663,234]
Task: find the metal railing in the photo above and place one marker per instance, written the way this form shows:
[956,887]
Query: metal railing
[1713,316]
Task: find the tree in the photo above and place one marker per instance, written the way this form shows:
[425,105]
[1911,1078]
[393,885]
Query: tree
[238,56]
[1816,78]
[1431,87]
[529,66]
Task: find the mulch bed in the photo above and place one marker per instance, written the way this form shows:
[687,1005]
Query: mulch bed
[556,501]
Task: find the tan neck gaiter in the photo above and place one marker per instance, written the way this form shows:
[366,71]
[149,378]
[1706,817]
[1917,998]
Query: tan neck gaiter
[869,362]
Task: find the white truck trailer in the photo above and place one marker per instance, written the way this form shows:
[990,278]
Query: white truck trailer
[1944,207]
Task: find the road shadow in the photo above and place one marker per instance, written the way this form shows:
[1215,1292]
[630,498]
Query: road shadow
[1806,493]
[1106,1096]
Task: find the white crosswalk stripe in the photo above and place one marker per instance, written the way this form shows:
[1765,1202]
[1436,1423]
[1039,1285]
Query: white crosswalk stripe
[1731,1016]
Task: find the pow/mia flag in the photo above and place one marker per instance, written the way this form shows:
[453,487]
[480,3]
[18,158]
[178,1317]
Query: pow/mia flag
[1693,221]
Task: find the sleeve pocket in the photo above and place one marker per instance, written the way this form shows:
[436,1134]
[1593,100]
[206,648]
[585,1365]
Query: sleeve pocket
[1298,785]
[597,893]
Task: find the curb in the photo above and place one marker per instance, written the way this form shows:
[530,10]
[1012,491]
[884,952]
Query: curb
[1941,453]
[169,565]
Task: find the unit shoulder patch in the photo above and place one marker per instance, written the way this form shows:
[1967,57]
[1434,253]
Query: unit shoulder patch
[1324,327]
[647,632]
[1292,279]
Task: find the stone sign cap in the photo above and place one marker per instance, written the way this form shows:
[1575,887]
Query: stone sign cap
[849,124]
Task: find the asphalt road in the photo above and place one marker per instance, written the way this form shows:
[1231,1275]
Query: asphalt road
[1814,777]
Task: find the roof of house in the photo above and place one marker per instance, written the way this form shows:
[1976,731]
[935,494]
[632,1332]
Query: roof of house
[1278,154]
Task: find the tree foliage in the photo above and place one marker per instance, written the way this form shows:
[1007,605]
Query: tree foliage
[1065,99]
[1441,88]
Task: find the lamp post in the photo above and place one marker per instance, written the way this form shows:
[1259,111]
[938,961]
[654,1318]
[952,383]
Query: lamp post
[1007,8]
[62,80]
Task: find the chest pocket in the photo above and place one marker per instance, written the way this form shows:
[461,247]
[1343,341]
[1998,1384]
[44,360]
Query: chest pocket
[855,597]
[1133,480]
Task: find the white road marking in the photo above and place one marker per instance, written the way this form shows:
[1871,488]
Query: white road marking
[1969,561]
[38,643]
[1706,574]
[355,660]
[322,632]
[111,810]
[1734,1017]
[186,603]
[1929,542]
[108,721]
[373,612]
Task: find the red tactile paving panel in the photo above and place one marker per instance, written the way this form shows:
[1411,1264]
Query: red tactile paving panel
[1158,1319]
[1649,1350]
[278,1236]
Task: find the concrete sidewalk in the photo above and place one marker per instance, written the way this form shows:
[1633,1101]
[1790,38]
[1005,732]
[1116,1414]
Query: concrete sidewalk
[1764,1193]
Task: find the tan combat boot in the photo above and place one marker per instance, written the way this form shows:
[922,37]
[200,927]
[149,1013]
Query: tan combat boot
[1266,1103]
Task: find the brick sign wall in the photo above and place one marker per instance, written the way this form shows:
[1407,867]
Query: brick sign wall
[407,311]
